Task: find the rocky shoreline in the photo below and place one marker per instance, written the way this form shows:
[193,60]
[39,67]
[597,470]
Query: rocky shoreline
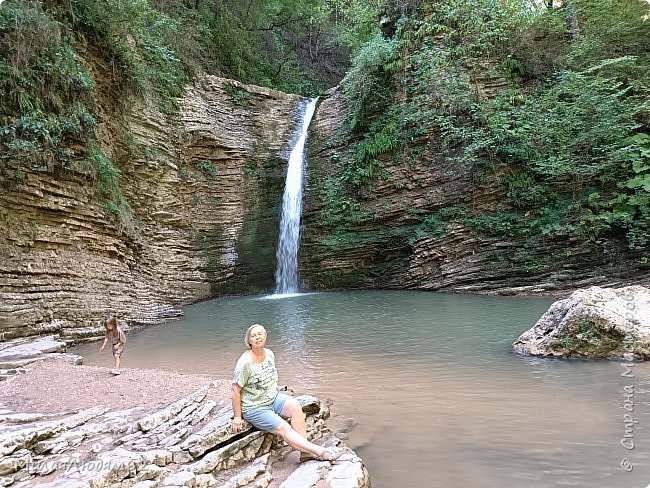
[67,425]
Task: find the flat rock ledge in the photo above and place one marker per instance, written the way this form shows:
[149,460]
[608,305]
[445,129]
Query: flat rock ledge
[598,323]
[18,353]
[187,443]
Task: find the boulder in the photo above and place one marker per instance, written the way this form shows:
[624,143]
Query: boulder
[598,323]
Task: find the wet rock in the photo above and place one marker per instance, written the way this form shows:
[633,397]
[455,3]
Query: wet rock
[593,323]
[414,227]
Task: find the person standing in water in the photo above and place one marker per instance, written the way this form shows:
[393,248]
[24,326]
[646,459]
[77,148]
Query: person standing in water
[117,338]
[256,399]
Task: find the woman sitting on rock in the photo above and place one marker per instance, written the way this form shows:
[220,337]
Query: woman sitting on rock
[256,398]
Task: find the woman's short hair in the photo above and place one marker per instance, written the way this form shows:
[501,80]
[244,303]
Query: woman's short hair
[248,331]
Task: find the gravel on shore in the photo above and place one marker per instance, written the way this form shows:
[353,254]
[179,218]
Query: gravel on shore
[55,385]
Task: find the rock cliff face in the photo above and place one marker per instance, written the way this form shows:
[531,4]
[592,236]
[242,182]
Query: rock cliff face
[204,186]
[382,245]
[205,189]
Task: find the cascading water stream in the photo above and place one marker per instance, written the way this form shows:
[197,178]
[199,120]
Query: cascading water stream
[286,274]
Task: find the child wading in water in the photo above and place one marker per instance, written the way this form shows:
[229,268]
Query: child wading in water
[117,338]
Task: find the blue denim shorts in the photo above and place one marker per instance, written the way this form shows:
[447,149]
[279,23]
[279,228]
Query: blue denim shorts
[267,418]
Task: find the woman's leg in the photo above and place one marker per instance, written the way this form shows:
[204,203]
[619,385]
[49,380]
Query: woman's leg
[297,440]
[293,410]
[268,420]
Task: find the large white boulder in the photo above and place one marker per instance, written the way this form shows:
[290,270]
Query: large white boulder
[596,322]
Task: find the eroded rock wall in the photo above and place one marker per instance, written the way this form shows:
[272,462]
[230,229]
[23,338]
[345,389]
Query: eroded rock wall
[386,248]
[204,187]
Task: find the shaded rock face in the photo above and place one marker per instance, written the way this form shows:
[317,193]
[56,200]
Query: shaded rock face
[387,248]
[205,188]
[593,323]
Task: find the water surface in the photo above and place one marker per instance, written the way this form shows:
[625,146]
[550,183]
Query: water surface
[437,395]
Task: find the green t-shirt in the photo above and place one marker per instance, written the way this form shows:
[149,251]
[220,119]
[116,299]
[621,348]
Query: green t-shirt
[259,381]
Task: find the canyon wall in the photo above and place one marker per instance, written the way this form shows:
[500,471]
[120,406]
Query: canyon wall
[204,187]
[407,229]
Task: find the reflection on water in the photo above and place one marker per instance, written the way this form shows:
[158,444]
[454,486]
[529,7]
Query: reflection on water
[438,396]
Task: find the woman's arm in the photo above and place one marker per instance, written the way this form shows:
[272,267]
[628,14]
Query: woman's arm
[236,407]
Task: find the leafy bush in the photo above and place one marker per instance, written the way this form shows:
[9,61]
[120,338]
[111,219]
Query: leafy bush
[437,224]
[46,92]
[523,191]
[477,28]
[207,167]
[610,29]
[575,135]
[500,224]
[572,128]
[341,209]
[107,181]
[136,38]
[368,86]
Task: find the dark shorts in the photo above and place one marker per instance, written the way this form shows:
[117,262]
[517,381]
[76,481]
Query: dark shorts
[117,352]
[267,418]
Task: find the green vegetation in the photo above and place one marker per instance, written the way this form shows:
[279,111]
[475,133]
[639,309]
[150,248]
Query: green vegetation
[54,54]
[106,178]
[138,41]
[207,167]
[156,45]
[239,96]
[46,102]
[547,105]
[568,128]
[585,339]
[436,224]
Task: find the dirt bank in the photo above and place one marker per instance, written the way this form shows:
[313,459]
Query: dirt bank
[55,386]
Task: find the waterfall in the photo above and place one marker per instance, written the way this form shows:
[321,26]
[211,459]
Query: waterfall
[286,274]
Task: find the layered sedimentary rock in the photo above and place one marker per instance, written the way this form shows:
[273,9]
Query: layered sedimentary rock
[204,187]
[187,443]
[406,229]
[205,190]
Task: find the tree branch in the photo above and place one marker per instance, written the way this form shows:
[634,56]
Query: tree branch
[278,24]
